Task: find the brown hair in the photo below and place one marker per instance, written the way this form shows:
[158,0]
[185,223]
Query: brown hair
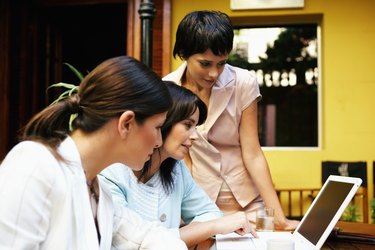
[116,85]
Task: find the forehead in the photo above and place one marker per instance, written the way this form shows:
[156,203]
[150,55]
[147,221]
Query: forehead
[194,116]
[209,56]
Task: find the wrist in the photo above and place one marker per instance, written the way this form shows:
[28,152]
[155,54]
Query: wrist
[280,222]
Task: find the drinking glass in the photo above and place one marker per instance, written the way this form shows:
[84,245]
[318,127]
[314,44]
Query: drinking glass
[264,219]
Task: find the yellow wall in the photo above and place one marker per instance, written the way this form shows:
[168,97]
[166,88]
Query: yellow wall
[348,85]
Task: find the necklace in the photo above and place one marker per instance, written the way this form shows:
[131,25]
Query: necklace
[94,198]
[91,186]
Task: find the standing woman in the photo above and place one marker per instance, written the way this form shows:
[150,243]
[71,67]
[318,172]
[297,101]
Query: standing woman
[164,190]
[227,160]
[50,195]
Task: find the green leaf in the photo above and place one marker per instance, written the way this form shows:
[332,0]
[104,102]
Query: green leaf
[71,119]
[62,84]
[75,71]
[71,89]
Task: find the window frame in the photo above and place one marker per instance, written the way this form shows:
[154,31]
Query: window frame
[264,21]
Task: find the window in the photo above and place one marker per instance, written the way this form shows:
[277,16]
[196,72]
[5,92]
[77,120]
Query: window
[285,61]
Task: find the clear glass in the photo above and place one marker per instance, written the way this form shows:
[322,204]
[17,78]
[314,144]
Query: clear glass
[265,219]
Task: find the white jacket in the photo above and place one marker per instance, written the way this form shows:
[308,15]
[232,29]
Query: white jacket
[44,204]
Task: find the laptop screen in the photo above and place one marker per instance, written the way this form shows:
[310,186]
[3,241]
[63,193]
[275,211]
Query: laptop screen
[325,208]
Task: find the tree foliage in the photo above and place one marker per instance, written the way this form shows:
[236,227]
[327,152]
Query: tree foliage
[289,52]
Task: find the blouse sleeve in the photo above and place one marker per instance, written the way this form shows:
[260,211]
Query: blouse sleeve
[196,205]
[248,88]
[132,232]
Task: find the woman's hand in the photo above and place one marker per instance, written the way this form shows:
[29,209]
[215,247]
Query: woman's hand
[237,223]
[196,232]
[285,224]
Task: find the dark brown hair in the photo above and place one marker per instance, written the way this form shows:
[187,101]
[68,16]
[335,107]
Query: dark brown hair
[185,103]
[116,85]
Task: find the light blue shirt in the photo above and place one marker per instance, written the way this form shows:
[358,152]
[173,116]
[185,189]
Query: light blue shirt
[187,201]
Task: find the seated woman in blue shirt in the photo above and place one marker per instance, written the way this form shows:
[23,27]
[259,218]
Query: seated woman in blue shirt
[165,190]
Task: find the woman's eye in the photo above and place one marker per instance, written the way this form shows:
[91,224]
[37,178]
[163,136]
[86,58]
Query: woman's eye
[205,64]
[189,125]
[222,64]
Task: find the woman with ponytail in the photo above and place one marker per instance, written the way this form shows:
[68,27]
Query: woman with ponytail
[50,197]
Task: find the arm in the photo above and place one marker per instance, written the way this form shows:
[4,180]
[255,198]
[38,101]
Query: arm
[26,191]
[203,216]
[132,232]
[255,162]
[197,232]
[196,206]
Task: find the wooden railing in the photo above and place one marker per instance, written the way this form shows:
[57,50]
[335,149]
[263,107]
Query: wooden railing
[291,197]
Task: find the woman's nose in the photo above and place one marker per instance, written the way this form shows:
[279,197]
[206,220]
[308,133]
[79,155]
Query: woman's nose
[214,73]
[194,134]
[159,141]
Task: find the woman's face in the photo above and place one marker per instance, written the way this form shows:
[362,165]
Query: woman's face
[143,139]
[181,137]
[203,69]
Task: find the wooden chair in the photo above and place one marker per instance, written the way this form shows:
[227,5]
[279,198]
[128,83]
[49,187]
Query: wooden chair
[352,169]
[296,201]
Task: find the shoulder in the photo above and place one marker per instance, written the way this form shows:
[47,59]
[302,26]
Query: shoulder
[184,178]
[182,170]
[244,82]
[32,170]
[118,178]
[176,75]
[27,148]
[173,76]
[241,76]
[116,172]
[30,156]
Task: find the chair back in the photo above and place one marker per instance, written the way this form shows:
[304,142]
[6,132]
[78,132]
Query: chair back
[352,169]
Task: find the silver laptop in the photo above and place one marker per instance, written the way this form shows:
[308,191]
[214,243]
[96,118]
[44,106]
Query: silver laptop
[316,224]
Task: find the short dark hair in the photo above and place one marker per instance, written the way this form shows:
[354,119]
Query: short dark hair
[202,30]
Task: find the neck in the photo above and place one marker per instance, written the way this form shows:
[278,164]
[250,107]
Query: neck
[91,148]
[203,93]
[157,158]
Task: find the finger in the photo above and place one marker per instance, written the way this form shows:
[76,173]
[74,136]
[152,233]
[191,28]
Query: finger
[240,232]
[253,232]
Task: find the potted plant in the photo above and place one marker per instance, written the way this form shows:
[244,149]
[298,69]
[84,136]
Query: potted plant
[350,214]
[71,89]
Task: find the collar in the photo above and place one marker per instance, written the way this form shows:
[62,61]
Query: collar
[225,79]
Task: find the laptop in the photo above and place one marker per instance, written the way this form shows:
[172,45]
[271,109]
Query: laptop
[315,226]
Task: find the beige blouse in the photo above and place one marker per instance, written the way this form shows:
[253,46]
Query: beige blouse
[216,155]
